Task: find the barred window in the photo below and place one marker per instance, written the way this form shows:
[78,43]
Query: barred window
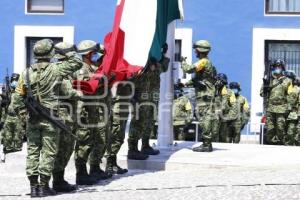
[283,6]
[45,6]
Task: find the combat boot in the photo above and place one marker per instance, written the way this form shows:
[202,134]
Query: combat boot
[60,184]
[97,172]
[134,153]
[34,186]
[205,147]
[147,149]
[82,177]
[112,166]
[44,189]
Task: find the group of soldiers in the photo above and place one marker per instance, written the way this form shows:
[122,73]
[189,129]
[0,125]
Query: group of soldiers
[220,109]
[281,92]
[60,119]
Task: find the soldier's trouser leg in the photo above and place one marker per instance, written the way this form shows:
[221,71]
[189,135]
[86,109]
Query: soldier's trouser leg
[42,147]
[280,127]
[271,132]
[297,135]
[11,134]
[289,137]
[136,128]
[83,146]
[118,126]
[236,125]
[65,150]
[223,131]
[98,146]
[148,123]
[206,119]
[216,129]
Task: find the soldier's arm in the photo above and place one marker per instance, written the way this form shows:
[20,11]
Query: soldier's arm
[66,89]
[20,93]
[71,65]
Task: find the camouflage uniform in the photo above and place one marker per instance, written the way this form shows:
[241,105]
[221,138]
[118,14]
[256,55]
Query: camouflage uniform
[182,115]
[14,128]
[216,121]
[230,125]
[277,109]
[42,135]
[205,93]
[121,97]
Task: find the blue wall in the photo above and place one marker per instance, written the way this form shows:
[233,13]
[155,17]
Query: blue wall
[226,24]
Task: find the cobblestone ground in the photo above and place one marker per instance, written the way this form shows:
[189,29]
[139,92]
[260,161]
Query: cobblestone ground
[206,184]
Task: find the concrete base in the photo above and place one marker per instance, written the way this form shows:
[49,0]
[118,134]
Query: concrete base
[181,157]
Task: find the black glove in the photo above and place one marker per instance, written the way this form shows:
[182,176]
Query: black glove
[199,84]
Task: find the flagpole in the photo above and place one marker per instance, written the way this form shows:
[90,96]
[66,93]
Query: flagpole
[165,122]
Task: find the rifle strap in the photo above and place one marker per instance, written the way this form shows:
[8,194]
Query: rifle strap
[38,85]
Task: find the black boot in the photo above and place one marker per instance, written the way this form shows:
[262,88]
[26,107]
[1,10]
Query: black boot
[97,172]
[82,177]
[147,149]
[134,153]
[60,184]
[34,186]
[44,189]
[205,147]
[112,166]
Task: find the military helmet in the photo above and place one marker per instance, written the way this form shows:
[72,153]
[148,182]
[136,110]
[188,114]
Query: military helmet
[223,78]
[43,49]
[14,76]
[86,46]
[65,47]
[202,46]
[297,81]
[234,85]
[279,63]
[290,74]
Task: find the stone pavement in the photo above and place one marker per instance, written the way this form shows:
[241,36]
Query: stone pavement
[231,172]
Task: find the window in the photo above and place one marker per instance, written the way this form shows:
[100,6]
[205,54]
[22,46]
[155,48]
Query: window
[289,51]
[283,6]
[178,44]
[45,6]
[30,41]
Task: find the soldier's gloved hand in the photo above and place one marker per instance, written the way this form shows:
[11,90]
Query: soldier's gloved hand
[266,89]
[183,59]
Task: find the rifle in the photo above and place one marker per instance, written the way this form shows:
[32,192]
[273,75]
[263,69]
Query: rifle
[267,83]
[37,110]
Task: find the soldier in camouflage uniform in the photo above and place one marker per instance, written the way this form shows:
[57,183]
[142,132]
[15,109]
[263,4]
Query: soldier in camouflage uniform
[182,112]
[243,114]
[14,126]
[297,106]
[145,112]
[67,110]
[122,93]
[229,110]
[292,118]
[93,120]
[42,145]
[277,105]
[205,92]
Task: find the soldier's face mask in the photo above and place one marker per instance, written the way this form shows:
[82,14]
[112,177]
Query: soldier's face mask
[13,84]
[95,57]
[236,91]
[277,71]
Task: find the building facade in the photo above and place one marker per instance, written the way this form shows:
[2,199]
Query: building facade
[245,35]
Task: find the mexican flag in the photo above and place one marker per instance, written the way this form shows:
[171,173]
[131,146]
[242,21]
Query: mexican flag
[139,32]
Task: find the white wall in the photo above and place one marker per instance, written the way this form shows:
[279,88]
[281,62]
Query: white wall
[186,36]
[21,32]
[260,35]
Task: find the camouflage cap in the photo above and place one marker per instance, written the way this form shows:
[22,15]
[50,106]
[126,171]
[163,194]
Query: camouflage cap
[65,47]
[43,49]
[202,46]
[86,46]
